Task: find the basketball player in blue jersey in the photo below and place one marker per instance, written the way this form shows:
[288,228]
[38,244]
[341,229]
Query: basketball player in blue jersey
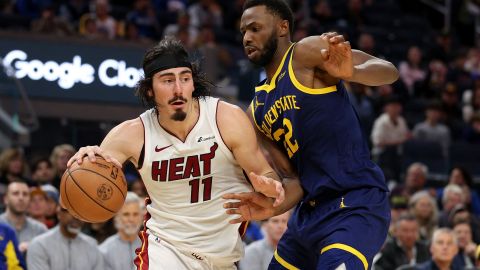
[306,122]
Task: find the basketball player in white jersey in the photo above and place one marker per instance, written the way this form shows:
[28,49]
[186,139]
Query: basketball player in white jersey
[190,149]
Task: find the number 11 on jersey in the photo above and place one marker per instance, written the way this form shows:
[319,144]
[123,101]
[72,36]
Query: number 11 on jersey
[195,189]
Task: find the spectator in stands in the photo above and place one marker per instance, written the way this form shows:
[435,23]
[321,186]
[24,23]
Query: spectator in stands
[258,254]
[435,80]
[106,24]
[472,131]
[366,43]
[458,74]
[411,71]
[216,58]
[183,23]
[404,248]
[87,27]
[12,258]
[460,214]
[138,188]
[452,196]
[49,23]
[424,208]
[452,112]
[119,250]
[466,246]
[389,132]
[461,177]
[16,201]
[205,13]
[37,208]
[443,249]
[59,158]
[42,171]
[472,105]
[355,16]
[52,203]
[13,166]
[415,180]
[432,129]
[72,10]
[398,208]
[322,14]
[100,231]
[64,247]
[144,18]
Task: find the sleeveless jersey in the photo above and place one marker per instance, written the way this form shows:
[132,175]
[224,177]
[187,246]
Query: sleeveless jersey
[185,182]
[318,129]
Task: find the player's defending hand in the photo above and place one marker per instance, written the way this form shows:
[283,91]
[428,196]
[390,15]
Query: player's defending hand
[251,206]
[90,152]
[338,59]
[268,187]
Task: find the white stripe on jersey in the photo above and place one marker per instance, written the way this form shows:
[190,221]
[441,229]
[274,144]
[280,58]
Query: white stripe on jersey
[185,181]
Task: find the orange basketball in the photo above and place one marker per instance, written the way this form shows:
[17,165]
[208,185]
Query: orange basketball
[93,192]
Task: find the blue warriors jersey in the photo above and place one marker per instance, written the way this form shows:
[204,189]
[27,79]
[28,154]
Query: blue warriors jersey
[10,256]
[318,129]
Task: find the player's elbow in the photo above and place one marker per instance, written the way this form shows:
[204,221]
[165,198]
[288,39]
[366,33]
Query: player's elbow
[393,74]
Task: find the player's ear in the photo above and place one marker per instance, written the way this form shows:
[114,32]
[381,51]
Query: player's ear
[283,28]
[150,92]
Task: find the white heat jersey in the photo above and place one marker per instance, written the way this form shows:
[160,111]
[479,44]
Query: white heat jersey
[185,182]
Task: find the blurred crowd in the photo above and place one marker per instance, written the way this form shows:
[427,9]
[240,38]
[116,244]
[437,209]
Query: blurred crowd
[52,238]
[424,130]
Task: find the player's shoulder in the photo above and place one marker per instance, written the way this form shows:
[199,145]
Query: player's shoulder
[225,107]
[230,113]
[129,128]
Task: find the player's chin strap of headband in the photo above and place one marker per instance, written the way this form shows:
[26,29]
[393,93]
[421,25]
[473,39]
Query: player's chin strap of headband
[166,61]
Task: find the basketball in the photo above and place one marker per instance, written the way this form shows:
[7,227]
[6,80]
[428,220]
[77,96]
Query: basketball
[93,192]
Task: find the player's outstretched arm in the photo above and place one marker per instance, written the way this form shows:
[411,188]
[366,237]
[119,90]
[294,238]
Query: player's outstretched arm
[255,206]
[239,136]
[124,142]
[331,53]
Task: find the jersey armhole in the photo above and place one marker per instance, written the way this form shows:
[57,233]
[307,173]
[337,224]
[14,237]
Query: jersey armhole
[141,157]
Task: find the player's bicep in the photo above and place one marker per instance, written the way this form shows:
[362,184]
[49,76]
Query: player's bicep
[240,137]
[125,141]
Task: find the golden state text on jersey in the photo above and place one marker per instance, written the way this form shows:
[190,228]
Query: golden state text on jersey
[318,129]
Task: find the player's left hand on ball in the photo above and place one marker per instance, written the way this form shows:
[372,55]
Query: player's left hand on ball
[90,152]
[250,206]
[268,187]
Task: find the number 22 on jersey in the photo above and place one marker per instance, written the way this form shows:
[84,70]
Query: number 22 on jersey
[290,143]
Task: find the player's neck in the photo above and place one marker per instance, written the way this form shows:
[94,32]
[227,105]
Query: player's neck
[181,129]
[272,67]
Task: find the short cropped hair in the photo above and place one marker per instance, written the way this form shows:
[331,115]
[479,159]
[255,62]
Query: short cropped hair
[278,7]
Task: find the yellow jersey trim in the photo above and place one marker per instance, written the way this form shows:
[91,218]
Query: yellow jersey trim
[269,87]
[347,248]
[252,105]
[283,262]
[12,261]
[308,90]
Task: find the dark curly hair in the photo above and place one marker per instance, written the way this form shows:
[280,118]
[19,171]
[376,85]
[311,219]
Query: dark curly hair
[202,87]
[279,8]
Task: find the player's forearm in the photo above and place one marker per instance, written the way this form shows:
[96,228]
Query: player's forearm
[374,72]
[293,195]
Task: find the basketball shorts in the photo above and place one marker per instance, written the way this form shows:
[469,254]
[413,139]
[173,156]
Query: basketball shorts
[342,232]
[156,254]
